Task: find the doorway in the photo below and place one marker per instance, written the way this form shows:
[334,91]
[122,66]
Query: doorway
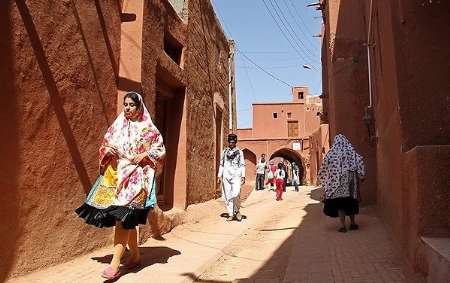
[169,106]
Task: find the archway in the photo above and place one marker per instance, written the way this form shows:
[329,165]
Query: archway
[291,156]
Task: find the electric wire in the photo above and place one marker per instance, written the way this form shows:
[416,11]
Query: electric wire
[283,32]
[262,69]
[301,28]
[291,31]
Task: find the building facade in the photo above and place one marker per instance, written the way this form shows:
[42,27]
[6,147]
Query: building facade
[386,88]
[65,68]
[282,130]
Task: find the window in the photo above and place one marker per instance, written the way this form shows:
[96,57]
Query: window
[292,128]
[173,48]
[275,115]
[289,115]
[300,95]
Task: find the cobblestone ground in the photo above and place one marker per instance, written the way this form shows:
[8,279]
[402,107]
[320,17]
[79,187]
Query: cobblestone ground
[286,241]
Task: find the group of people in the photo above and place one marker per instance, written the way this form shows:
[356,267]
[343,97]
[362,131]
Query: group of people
[131,157]
[278,176]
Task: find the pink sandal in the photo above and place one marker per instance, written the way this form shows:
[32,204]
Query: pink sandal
[110,274]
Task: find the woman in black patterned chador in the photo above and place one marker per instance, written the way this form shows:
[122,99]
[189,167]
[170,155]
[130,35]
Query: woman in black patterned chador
[339,176]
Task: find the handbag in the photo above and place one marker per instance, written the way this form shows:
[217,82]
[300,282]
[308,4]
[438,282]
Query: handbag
[103,192]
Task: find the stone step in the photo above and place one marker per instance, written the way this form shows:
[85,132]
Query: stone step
[436,259]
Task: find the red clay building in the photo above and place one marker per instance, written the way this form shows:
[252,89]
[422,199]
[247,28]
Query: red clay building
[282,129]
[64,68]
[386,87]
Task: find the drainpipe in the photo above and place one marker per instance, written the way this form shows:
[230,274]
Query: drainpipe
[232,76]
[368,115]
[369,32]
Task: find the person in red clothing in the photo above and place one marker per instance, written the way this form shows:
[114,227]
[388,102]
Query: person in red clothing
[271,176]
[279,180]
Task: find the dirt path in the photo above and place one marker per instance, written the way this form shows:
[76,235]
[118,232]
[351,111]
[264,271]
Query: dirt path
[286,241]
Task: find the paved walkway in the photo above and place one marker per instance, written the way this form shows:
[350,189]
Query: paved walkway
[287,241]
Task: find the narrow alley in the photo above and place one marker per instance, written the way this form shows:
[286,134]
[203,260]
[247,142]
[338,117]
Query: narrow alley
[287,241]
[152,141]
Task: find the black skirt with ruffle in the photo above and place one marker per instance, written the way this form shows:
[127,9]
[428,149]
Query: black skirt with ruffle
[348,204]
[129,216]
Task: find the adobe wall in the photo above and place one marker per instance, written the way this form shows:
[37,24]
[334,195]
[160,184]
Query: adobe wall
[387,122]
[206,73]
[200,76]
[244,133]
[346,82]
[407,117]
[426,194]
[424,87]
[58,74]
[264,125]
[61,94]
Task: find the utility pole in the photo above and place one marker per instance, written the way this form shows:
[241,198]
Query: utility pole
[232,77]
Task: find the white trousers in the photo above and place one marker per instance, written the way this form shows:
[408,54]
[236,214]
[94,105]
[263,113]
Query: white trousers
[231,191]
[232,206]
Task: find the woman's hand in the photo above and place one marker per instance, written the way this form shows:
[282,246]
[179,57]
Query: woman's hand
[110,151]
[110,157]
[139,158]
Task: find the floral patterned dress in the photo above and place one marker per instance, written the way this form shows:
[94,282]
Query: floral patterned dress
[125,191]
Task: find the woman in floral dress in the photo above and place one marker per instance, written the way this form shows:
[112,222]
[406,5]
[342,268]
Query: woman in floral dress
[131,153]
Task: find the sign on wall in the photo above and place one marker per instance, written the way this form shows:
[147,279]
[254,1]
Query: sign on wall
[296,146]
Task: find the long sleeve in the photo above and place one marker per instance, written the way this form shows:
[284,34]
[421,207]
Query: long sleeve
[242,163]
[157,150]
[220,174]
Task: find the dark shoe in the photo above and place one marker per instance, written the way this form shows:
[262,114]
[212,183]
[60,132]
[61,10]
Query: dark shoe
[342,230]
[354,227]
[230,218]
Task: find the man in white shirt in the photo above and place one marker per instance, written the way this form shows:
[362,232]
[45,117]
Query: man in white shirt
[232,176]
[295,176]
[261,172]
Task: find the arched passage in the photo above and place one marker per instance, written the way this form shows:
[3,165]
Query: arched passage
[291,156]
[250,162]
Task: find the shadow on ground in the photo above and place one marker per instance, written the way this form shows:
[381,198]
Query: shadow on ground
[316,252]
[149,256]
[225,215]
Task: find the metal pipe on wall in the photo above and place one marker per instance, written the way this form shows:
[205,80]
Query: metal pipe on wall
[369,67]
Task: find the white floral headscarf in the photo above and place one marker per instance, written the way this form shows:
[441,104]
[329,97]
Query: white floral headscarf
[341,159]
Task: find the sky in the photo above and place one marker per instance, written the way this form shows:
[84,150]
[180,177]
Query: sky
[259,40]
